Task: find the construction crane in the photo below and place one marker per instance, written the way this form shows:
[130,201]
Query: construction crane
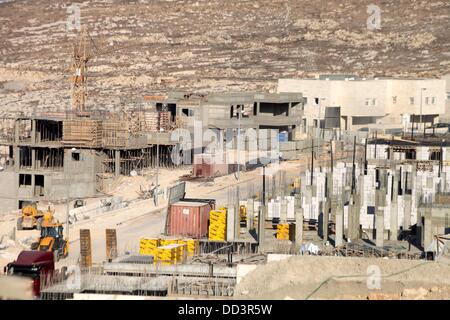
[80,57]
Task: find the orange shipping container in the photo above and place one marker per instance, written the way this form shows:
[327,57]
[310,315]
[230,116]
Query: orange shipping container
[189,219]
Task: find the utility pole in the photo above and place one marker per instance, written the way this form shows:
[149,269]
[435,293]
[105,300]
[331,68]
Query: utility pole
[264,186]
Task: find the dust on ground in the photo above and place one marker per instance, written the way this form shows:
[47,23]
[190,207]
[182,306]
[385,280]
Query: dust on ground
[321,277]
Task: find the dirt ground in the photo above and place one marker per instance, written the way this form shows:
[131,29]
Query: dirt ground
[147,47]
[321,277]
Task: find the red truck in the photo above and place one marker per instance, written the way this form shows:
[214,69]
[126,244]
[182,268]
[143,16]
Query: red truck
[33,265]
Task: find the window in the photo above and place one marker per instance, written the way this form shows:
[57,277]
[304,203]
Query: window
[305,100]
[75,156]
[316,100]
[24,179]
[427,100]
[367,102]
[394,99]
[433,100]
[411,100]
[374,102]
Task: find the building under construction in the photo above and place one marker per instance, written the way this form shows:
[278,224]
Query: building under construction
[62,156]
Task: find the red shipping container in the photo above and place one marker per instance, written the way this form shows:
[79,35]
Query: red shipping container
[189,219]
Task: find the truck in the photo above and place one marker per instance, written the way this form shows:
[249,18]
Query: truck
[33,265]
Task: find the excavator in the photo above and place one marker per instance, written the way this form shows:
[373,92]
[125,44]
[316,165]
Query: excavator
[32,218]
[52,239]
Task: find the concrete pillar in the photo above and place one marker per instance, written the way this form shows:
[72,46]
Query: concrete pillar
[353,217]
[261,225]
[379,216]
[33,131]
[231,219]
[283,211]
[117,163]
[33,159]
[16,158]
[380,227]
[326,218]
[394,221]
[16,132]
[339,236]
[308,200]
[428,228]
[250,213]
[394,208]
[407,214]
[298,221]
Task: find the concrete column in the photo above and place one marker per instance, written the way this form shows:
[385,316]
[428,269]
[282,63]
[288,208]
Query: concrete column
[33,131]
[298,221]
[394,208]
[380,227]
[339,236]
[283,211]
[394,221]
[407,214]
[117,163]
[379,216]
[250,213]
[325,220]
[231,218]
[16,158]
[308,200]
[428,228]
[353,217]
[16,132]
[261,225]
[33,159]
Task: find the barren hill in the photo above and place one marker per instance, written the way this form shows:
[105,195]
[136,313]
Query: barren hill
[211,45]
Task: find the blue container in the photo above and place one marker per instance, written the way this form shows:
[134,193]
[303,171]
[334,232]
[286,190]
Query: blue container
[283,136]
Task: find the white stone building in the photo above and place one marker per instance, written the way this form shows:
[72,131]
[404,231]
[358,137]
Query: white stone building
[369,103]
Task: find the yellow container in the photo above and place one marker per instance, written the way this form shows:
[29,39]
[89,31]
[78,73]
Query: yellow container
[168,241]
[147,246]
[286,231]
[217,224]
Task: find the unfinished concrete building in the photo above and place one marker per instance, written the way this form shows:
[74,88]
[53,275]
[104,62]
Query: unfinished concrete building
[59,157]
[62,156]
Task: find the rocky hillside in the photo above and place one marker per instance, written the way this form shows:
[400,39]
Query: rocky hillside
[153,46]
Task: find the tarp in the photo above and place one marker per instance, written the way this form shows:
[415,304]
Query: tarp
[440,246]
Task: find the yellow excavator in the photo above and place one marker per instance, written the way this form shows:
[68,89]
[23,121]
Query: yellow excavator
[32,218]
[52,238]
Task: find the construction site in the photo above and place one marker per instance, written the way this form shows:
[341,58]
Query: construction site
[293,194]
